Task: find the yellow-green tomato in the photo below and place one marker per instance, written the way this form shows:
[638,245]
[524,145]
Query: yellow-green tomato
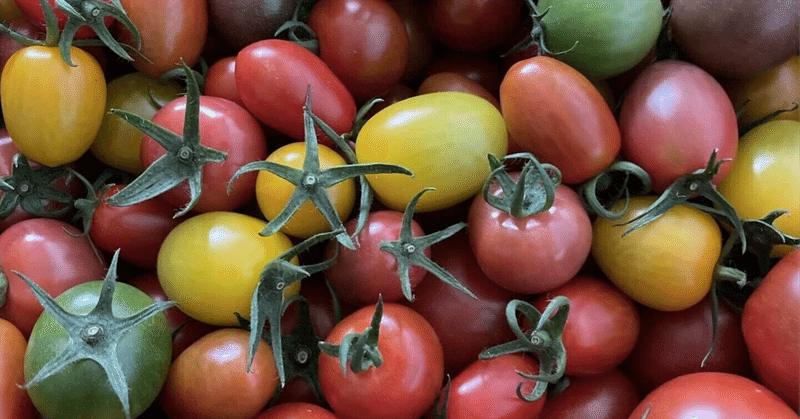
[443,138]
[52,111]
[210,264]
[117,143]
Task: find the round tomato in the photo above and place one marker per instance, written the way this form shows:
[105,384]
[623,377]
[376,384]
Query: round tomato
[422,134]
[775,89]
[610,395]
[52,111]
[210,264]
[455,82]
[221,80]
[14,400]
[475,26]
[296,411]
[667,264]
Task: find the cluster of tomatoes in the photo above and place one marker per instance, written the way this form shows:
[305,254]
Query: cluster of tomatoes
[602,222]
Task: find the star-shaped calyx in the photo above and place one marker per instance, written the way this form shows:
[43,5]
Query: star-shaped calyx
[93,336]
[621,180]
[544,339]
[409,250]
[361,349]
[534,191]
[28,187]
[311,183]
[183,161]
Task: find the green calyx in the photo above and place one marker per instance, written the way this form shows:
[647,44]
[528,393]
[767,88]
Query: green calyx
[544,340]
[621,179]
[183,161]
[409,250]
[297,31]
[28,187]
[537,34]
[532,193]
[93,336]
[360,349]
[311,182]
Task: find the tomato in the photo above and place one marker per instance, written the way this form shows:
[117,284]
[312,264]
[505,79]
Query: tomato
[33,10]
[712,394]
[221,80]
[574,129]
[473,26]
[610,395]
[9,10]
[171,31]
[52,255]
[454,82]
[21,25]
[273,76]
[420,40]
[210,264]
[481,68]
[602,327]
[148,284]
[117,143]
[673,116]
[611,36]
[240,23]
[404,386]
[488,389]
[770,322]
[52,119]
[209,380]
[296,411]
[532,254]
[420,134]
[364,42]
[667,264]
[774,89]
[14,400]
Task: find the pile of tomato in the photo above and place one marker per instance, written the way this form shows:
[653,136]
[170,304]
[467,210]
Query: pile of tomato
[579,209]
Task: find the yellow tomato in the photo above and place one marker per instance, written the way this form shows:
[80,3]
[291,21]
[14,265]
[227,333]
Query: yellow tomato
[273,192]
[52,111]
[767,92]
[667,264]
[443,138]
[210,264]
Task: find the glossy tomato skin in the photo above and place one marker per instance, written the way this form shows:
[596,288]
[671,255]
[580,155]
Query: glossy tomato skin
[364,42]
[481,68]
[51,254]
[273,76]
[688,334]
[574,130]
[420,134]
[296,411]
[770,322]
[667,264]
[221,80]
[610,395]
[224,126]
[14,400]
[209,380]
[602,327]
[420,40]
[488,389]
[455,82]
[512,252]
[712,394]
[70,101]
[148,284]
[80,390]
[404,386]
[473,26]
[673,116]
[774,89]
[241,22]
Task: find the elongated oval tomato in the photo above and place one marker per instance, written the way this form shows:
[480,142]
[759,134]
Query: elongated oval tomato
[14,400]
[52,111]
[442,138]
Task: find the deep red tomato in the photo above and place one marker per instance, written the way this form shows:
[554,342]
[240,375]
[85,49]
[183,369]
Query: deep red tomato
[296,411]
[712,395]
[447,82]
[404,386]
[221,80]
[473,25]
[420,40]
[148,284]
[602,325]
[14,400]
[673,116]
[554,112]
[610,395]
[477,67]
[532,254]
[51,254]
[771,323]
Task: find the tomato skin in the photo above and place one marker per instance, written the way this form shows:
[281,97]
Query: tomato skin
[473,26]
[610,395]
[33,10]
[667,264]
[420,40]
[70,101]
[273,76]
[488,389]
[673,116]
[413,367]
[296,411]
[712,394]
[221,80]
[574,130]
[770,323]
[766,92]
[455,82]
[209,379]
[512,252]
[50,253]
[14,400]
[420,134]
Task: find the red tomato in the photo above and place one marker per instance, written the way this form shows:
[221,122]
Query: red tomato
[602,325]
[420,40]
[404,386]
[14,400]
[51,254]
[554,112]
[447,82]
[221,80]
[148,284]
[480,68]
[296,411]
[533,254]
[610,395]
[712,395]
[473,25]
[33,10]
[673,116]
[771,323]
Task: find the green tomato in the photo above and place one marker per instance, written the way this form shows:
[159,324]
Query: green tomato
[612,35]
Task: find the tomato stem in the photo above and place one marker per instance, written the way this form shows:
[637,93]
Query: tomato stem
[621,179]
[532,193]
[27,187]
[360,349]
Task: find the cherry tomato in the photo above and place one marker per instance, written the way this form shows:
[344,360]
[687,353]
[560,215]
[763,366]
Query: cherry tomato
[481,68]
[454,82]
[33,10]
[14,400]
[296,411]
[473,26]
[221,80]
[774,89]
[420,40]
[610,395]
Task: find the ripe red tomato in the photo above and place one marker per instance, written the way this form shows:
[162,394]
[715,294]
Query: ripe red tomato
[472,25]
[610,395]
[455,82]
[296,411]
[14,400]
[221,80]
[33,10]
